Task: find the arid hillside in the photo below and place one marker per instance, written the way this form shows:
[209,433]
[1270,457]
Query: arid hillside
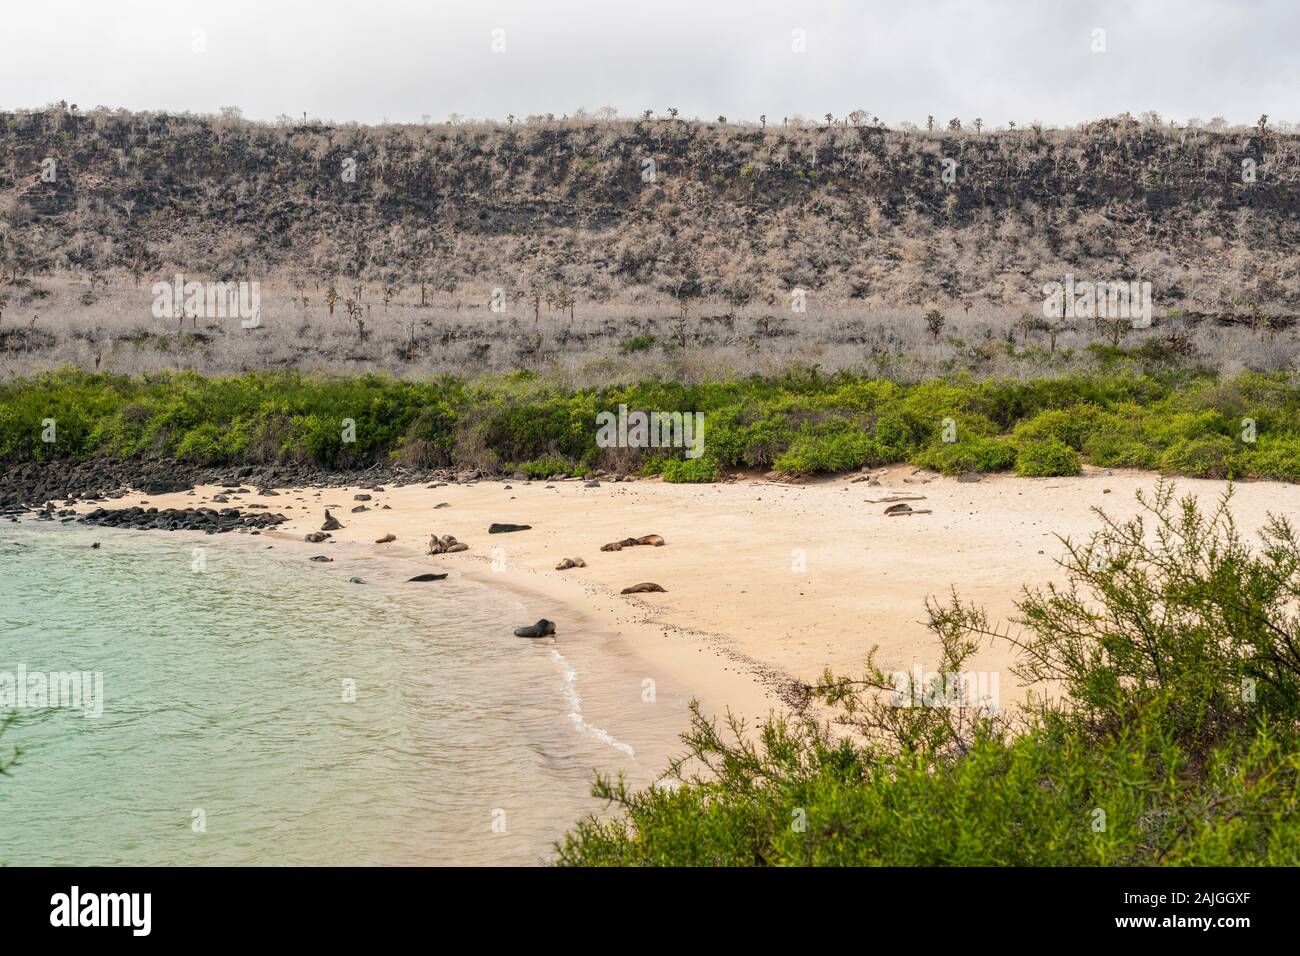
[663,208]
[615,249]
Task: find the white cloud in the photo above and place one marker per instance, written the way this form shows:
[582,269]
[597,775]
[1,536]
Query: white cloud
[1000,59]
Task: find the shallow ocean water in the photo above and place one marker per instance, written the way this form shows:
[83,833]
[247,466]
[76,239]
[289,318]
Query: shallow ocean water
[229,734]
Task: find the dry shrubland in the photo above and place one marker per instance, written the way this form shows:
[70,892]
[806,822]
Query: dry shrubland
[605,266]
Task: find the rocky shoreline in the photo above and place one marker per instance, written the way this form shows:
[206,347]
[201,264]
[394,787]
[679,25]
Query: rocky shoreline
[41,487]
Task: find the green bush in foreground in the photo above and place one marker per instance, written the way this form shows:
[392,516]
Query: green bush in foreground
[1173,742]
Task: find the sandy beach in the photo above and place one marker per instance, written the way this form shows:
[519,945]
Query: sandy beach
[765,582]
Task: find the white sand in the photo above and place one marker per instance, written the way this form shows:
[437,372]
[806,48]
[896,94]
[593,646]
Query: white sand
[740,617]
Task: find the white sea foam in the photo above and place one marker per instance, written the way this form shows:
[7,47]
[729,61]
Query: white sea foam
[575,707]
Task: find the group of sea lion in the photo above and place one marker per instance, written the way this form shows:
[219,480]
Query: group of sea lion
[447,544]
[652,540]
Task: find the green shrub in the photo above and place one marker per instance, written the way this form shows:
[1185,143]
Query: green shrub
[1069,425]
[843,449]
[970,453]
[637,343]
[1208,456]
[541,468]
[1048,458]
[1276,458]
[689,470]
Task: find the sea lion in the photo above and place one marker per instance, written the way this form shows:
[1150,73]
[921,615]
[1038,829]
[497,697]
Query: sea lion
[541,629]
[321,557]
[643,588]
[427,577]
[497,527]
[316,537]
[355,580]
[570,563]
[455,548]
[331,523]
[386,538]
[651,539]
[612,546]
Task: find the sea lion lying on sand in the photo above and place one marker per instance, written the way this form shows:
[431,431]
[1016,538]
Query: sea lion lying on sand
[653,540]
[643,588]
[316,537]
[447,544]
[386,538]
[498,528]
[542,628]
[427,577]
[570,563]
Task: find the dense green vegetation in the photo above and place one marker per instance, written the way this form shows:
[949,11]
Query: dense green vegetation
[1173,738]
[1180,421]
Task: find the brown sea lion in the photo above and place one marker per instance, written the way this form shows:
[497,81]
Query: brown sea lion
[542,628]
[651,539]
[427,577]
[386,538]
[643,588]
[570,563]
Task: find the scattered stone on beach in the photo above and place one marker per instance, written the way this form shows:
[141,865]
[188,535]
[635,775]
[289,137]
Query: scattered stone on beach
[360,497]
[644,588]
[497,527]
[386,508]
[268,492]
[331,522]
[567,563]
[316,537]
[542,628]
[428,577]
[591,484]
[220,499]
[320,557]
[359,508]
[441,504]
[386,538]
[970,477]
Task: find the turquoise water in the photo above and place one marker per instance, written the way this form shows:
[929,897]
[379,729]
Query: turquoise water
[227,736]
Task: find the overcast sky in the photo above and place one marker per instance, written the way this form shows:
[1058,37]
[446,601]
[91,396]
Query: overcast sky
[401,60]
